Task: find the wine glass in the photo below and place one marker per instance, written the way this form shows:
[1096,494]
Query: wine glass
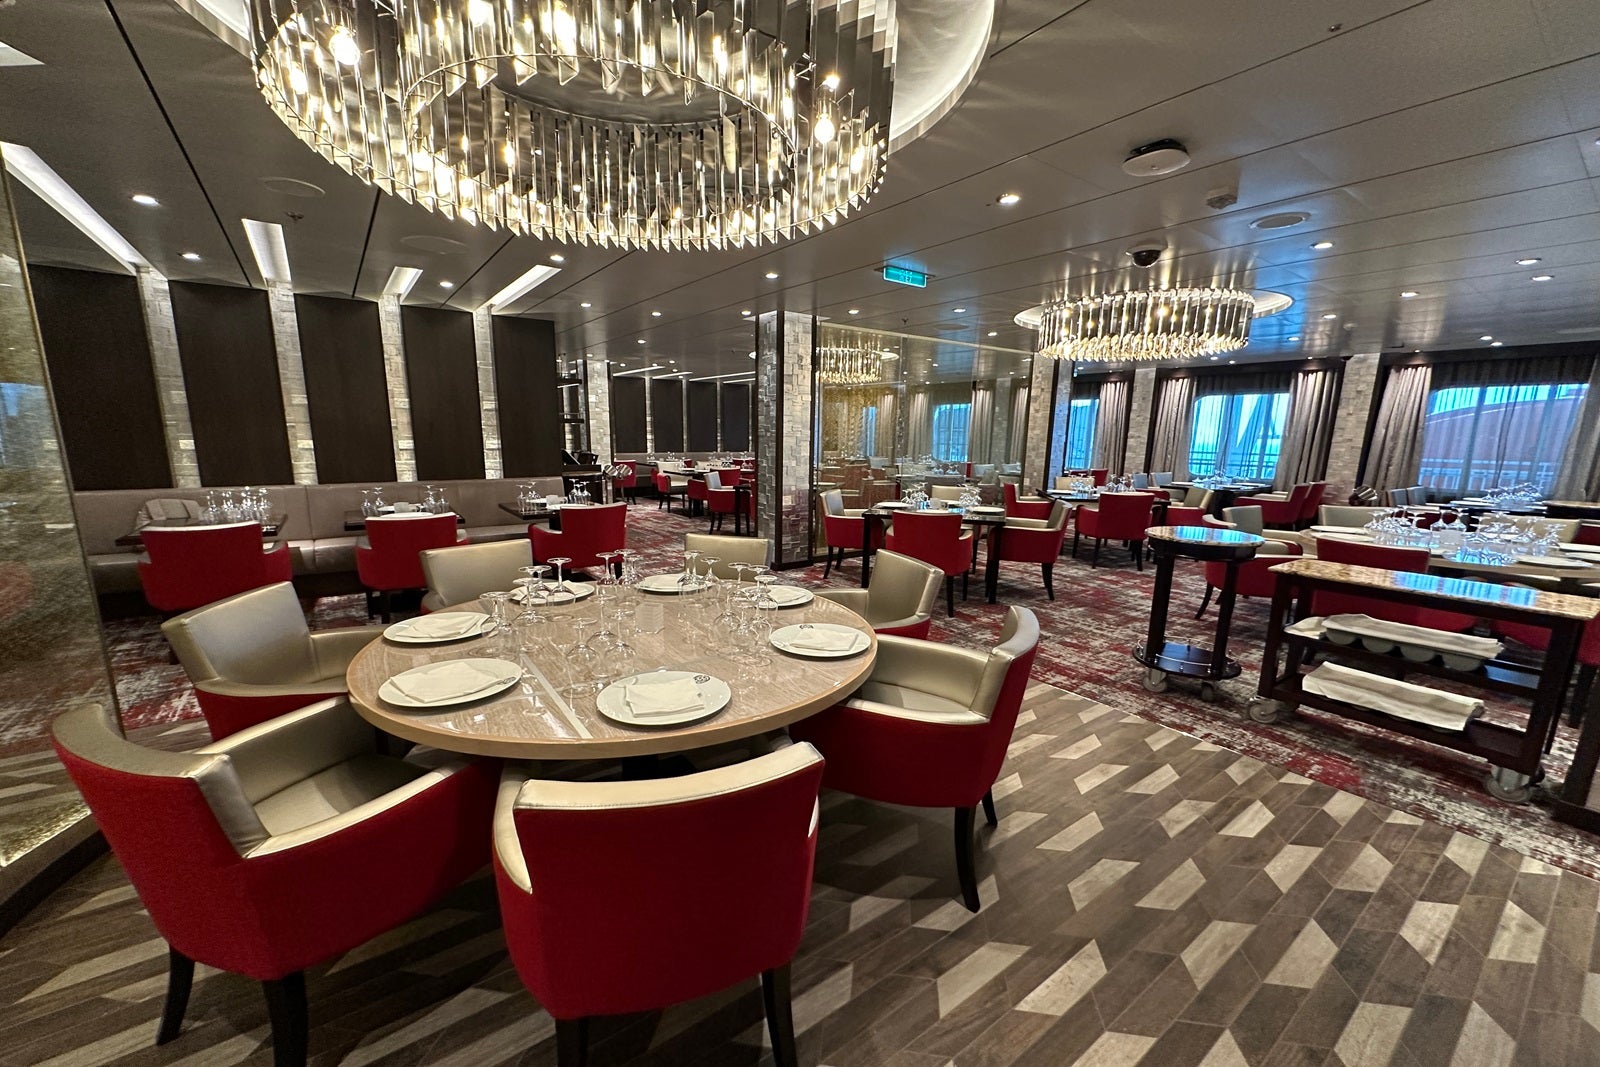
[608,579]
[558,562]
[494,606]
[688,579]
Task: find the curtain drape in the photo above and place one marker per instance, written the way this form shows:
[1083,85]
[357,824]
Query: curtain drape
[981,423]
[1395,458]
[1020,390]
[1579,478]
[1169,448]
[1313,407]
[919,424]
[1111,426]
[888,412]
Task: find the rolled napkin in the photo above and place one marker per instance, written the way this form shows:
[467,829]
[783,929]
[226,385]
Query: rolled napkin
[1406,634]
[645,699]
[814,639]
[451,679]
[1418,703]
[447,624]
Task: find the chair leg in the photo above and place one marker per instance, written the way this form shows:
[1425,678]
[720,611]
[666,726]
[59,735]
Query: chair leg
[827,567]
[180,978]
[1049,580]
[780,1016]
[383,606]
[965,819]
[1205,601]
[1138,554]
[988,809]
[1582,690]
[950,594]
[286,1008]
[1098,541]
[572,1042]
[1074,542]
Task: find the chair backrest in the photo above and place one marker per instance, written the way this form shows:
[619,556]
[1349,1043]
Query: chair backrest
[1141,481]
[1099,474]
[1161,478]
[1397,497]
[714,480]
[601,528]
[1297,497]
[729,550]
[730,477]
[1416,495]
[396,542]
[631,478]
[1196,497]
[166,508]
[944,492]
[460,574]
[1124,516]
[257,637]
[1313,501]
[193,565]
[1343,515]
[1246,518]
[1384,557]
[727,854]
[931,536]
[663,483]
[1178,515]
[832,501]
[901,587]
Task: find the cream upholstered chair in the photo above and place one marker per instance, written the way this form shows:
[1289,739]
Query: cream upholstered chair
[930,728]
[945,492]
[461,573]
[721,860]
[279,848]
[899,598]
[1196,497]
[729,550]
[251,657]
[1342,515]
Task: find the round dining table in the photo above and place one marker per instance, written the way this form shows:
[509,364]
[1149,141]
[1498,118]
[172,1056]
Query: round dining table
[535,719]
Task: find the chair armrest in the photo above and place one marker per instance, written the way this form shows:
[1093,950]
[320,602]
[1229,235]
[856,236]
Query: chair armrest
[854,599]
[944,670]
[275,754]
[1264,496]
[1274,547]
[1027,524]
[935,718]
[507,845]
[899,624]
[334,649]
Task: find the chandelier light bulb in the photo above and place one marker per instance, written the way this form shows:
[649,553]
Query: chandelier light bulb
[342,46]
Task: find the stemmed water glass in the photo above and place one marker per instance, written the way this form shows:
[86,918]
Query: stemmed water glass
[561,585]
[494,606]
[688,579]
[630,569]
[609,579]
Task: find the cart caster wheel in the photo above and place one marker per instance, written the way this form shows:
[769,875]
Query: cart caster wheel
[1509,786]
[1154,680]
[1208,692]
[1265,711]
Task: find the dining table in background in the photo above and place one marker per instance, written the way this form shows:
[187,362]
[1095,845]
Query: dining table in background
[355,521]
[984,525]
[532,720]
[269,528]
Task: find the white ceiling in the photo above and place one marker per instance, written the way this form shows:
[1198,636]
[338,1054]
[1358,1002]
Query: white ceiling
[1434,142]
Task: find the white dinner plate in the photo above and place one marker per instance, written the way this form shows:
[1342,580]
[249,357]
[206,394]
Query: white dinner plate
[892,504]
[573,591]
[789,596]
[784,637]
[505,674]
[1556,561]
[613,699]
[1341,530]
[473,623]
[986,509]
[665,585]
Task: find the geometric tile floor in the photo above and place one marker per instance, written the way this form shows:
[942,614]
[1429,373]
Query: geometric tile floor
[1148,899]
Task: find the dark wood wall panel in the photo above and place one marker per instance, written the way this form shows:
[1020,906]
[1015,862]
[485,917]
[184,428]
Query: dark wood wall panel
[627,415]
[702,416]
[530,404]
[666,413]
[442,375]
[736,418]
[100,375]
[341,347]
[230,371]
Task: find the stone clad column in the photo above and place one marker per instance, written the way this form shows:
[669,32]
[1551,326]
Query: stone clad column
[1036,456]
[399,389]
[488,395]
[1144,398]
[171,393]
[292,382]
[599,390]
[785,434]
[1356,393]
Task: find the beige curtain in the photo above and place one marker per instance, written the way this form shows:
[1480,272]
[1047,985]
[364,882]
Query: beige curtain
[888,413]
[1395,458]
[981,423]
[1313,407]
[919,424]
[1111,426]
[1580,460]
[1169,449]
[1019,421]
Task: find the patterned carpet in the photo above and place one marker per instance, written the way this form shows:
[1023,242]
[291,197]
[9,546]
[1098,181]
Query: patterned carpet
[1149,899]
[1090,630]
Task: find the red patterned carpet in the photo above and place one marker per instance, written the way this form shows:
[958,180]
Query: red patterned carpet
[1090,630]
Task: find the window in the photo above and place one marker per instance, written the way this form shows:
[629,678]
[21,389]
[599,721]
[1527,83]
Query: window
[1477,437]
[1239,434]
[1080,432]
[869,429]
[25,425]
[950,432]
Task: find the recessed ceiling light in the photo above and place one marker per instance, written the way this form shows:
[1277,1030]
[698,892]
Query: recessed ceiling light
[1527,261]
[752,355]
[1008,199]
[1323,246]
[745,312]
[855,311]
[640,341]
[1542,277]
[673,362]
[959,311]
[586,304]
[1294,337]
[1231,362]
[1330,315]
[447,285]
[1215,358]
[933,364]
[1487,337]
[655,314]
[1282,220]
[146,199]
[772,275]
[520,287]
[994,333]
[557,257]
[192,257]
[1408,294]
[1496,344]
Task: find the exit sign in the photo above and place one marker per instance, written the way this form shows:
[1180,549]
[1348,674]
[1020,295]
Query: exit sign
[904,276]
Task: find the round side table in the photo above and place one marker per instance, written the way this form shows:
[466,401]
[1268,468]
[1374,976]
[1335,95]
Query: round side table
[1163,659]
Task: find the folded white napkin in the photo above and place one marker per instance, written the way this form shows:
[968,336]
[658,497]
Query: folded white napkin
[1406,634]
[448,624]
[662,698]
[788,594]
[1313,626]
[816,640]
[1432,707]
[449,680]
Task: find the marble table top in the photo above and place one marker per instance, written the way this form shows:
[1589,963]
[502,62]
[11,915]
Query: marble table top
[1555,605]
[1203,535]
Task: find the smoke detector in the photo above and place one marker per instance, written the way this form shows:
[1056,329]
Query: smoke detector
[1219,199]
[1156,158]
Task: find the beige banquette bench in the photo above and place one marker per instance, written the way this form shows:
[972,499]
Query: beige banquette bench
[323,551]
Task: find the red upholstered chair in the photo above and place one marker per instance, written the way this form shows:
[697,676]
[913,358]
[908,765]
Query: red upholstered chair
[1255,577]
[281,847]
[842,528]
[899,598]
[936,538]
[1036,541]
[252,658]
[1363,554]
[387,556]
[668,487]
[1018,507]
[1312,504]
[185,567]
[697,493]
[1099,475]
[930,728]
[721,500]
[584,533]
[620,897]
[627,486]
[1178,515]
[1283,512]
[1588,658]
[1588,534]
[1115,517]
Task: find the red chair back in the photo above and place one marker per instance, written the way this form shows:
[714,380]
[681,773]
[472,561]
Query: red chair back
[1539,637]
[196,565]
[662,482]
[1383,557]
[933,537]
[1018,509]
[585,532]
[698,489]
[1099,474]
[392,561]
[1313,500]
[1178,515]
[1123,516]
[729,477]
[631,479]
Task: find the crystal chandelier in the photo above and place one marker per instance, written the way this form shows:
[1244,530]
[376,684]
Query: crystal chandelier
[1147,324]
[629,123]
[847,358]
